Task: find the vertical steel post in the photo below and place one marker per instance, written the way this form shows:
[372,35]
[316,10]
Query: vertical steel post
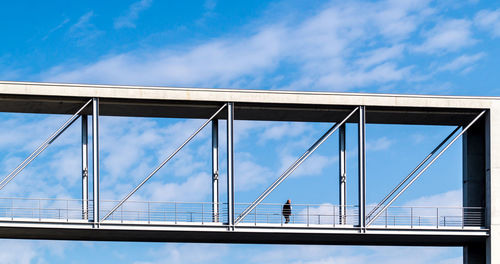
[215,170]
[342,176]
[85,168]
[95,156]
[362,167]
[230,166]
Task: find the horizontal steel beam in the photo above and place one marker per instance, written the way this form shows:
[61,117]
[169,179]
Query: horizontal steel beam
[245,233]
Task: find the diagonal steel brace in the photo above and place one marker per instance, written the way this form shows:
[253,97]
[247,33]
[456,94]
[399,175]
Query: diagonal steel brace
[425,168]
[294,166]
[163,163]
[42,147]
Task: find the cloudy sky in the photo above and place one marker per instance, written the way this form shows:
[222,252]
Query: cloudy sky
[400,46]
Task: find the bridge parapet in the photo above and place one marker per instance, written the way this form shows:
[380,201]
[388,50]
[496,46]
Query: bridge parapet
[265,214]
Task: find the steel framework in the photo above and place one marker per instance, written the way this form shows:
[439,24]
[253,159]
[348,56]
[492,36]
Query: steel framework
[260,222]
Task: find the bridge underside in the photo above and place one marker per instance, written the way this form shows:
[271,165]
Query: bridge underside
[218,233]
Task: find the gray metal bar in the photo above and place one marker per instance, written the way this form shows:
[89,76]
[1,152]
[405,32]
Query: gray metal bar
[95,157]
[164,162]
[427,166]
[42,147]
[85,168]
[230,165]
[342,177]
[215,170]
[362,167]
[413,172]
[294,166]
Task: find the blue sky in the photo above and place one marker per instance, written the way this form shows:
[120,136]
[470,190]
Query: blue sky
[417,47]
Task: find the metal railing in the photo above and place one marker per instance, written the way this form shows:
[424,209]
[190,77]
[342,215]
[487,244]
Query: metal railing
[42,209]
[326,215]
[174,212]
[426,216]
[304,214]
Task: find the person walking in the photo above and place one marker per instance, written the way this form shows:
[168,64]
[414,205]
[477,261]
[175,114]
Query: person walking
[287,211]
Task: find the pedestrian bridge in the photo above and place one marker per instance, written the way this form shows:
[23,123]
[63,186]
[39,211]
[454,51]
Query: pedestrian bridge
[196,222]
[474,120]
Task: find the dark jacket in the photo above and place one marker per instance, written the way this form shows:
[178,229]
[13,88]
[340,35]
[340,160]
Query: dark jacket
[287,209]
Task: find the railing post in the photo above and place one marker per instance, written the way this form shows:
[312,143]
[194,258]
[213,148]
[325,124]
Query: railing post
[307,215]
[411,217]
[437,217]
[463,217]
[149,213]
[281,216]
[334,216]
[255,216]
[386,217]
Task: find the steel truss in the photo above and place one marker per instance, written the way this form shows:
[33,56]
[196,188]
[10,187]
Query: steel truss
[364,220]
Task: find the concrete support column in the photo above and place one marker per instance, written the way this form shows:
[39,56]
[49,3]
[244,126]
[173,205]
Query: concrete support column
[474,183]
[493,184]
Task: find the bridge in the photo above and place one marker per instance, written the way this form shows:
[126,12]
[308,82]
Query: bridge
[474,226]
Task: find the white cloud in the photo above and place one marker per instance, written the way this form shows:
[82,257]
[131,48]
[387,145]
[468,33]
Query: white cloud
[382,143]
[194,189]
[328,254]
[132,14]
[448,199]
[380,55]
[489,20]
[250,174]
[313,166]
[274,132]
[447,36]
[56,28]
[29,251]
[187,253]
[463,62]
[11,252]
[323,48]
[298,254]
[84,31]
